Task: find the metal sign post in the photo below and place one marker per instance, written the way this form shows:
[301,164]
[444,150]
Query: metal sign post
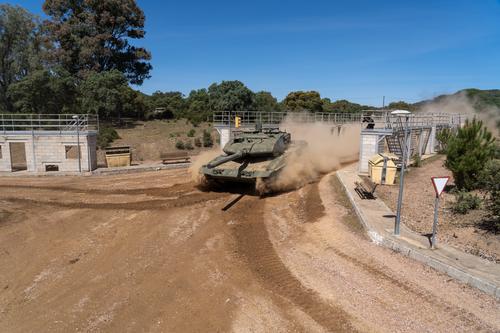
[439,184]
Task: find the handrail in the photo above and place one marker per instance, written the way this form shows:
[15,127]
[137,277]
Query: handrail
[12,122]
[381,118]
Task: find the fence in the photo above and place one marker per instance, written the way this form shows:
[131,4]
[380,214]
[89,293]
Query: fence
[18,122]
[250,118]
[381,118]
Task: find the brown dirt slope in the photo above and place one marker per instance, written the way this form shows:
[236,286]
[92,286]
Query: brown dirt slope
[150,139]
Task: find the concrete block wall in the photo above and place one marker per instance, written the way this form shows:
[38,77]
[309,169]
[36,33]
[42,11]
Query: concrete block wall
[369,147]
[431,144]
[225,136]
[49,149]
[5,155]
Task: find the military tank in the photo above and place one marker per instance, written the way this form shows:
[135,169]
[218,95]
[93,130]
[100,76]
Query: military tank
[255,156]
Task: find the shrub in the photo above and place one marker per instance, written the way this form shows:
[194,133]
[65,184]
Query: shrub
[106,136]
[443,137]
[191,133]
[465,201]
[417,162]
[179,145]
[188,145]
[207,139]
[467,153]
[197,142]
[490,182]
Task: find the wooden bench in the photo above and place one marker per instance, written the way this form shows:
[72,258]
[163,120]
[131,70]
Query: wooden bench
[174,158]
[365,189]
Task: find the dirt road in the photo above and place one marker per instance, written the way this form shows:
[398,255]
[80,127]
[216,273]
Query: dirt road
[152,253]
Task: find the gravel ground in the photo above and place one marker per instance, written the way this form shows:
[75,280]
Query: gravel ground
[151,252]
[462,231]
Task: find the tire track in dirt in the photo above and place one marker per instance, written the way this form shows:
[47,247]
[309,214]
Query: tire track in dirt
[310,209]
[380,272]
[255,247]
[166,191]
[156,204]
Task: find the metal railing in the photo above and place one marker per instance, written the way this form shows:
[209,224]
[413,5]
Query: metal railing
[250,118]
[22,122]
[421,120]
[382,119]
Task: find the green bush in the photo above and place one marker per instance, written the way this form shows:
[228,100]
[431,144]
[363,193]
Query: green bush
[106,136]
[490,182]
[188,145]
[467,153]
[191,133]
[179,145]
[207,139]
[443,137]
[197,142]
[465,201]
[417,162]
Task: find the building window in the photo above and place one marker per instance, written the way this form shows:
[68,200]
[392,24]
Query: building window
[51,167]
[71,152]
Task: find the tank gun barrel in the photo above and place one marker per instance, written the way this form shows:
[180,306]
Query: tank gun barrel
[225,159]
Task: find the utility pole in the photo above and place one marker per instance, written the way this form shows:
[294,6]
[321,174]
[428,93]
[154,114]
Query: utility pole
[77,119]
[383,102]
[397,223]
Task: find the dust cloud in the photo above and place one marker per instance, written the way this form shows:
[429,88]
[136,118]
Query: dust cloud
[198,162]
[328,146]
[461,104]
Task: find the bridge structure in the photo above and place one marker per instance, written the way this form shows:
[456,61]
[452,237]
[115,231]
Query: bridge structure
[48,142]
[381,131]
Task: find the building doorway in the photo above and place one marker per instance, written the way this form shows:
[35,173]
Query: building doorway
[18,156]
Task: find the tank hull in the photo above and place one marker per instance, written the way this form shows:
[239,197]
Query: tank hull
[245,171]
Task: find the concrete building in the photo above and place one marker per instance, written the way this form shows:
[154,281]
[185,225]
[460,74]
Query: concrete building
[45,143]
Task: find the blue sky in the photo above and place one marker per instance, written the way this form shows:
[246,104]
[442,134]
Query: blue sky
[359,50]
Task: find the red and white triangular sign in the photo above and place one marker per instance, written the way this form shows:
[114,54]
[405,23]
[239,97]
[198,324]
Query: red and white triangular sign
[439,184]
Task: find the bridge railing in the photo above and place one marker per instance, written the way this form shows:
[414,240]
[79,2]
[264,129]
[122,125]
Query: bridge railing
[24,122]
[386,120]
[250,118]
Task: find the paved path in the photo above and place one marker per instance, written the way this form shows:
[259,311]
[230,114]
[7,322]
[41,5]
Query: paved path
[378,220]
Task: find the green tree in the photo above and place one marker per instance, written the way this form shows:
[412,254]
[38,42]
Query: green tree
[265,101]
[172,103]
[94,36]
[401,105]
[108,95]
[468,151]
[342,105]
[19,49]
[198,104]
[44,91]
[230,96]
[303,101]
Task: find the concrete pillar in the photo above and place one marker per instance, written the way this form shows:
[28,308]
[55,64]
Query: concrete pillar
[5,163]
[431,143]
[420,142]
[368,147]
[225,136]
